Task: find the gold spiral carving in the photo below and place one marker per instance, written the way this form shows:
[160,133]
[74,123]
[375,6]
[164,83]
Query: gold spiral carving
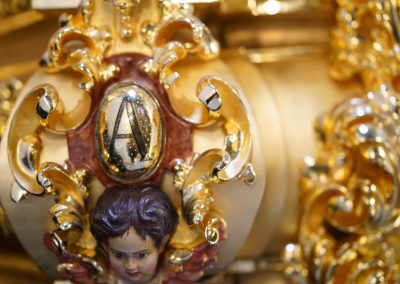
[350,190]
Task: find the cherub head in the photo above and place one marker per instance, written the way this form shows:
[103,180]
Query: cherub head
[134,224]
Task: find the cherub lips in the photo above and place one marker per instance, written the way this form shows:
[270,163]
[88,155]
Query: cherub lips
[133,274]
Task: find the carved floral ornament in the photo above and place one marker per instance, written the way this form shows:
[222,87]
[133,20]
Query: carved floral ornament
[349,227]
[128,129]
[132,126]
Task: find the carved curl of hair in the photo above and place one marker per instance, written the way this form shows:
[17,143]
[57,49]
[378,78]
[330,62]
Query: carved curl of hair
[148,210]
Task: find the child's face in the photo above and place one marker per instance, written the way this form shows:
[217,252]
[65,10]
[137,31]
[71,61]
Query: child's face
[133,259]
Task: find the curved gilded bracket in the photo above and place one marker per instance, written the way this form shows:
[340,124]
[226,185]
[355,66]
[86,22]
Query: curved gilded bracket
[223,105]
[24,143]
[177,35]
[178,24]
[24,147]
[193,181]
[68,210]
[81,47]
[217,101]
[51,113]
[236,125]
[82,50]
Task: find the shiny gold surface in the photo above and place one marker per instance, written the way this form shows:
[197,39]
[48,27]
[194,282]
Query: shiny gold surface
[142,158]
[124,8]
[352,185]
[25,146]
[294,90]
[221,105]
[215,166]
[81,47]
[349,190]
[364,42]
[217,104]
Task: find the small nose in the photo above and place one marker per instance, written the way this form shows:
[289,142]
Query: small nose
[131,263]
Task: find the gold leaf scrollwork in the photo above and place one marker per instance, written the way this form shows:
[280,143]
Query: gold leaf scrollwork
[350,190]
[69,211]
[177,19]
[26,126]
[217,103]
[365,41]
[86,58]
[351,195]
[76,45]
[81,47]
[193,181]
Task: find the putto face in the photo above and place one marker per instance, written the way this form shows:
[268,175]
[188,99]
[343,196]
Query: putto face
[132,259]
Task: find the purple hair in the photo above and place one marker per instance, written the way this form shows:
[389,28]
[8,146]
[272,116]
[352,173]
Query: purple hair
[148,210]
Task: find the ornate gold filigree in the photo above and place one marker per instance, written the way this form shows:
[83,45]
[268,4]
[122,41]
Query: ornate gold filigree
[217,103]
[365,41]
[69,212]
[215,166]
[83,47]
[26,126]
[197,197]
[350,190]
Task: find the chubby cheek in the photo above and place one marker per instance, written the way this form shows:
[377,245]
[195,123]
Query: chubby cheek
[148,265]
[116,265]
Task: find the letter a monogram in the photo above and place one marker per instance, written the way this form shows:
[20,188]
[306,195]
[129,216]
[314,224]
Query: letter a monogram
[127,105]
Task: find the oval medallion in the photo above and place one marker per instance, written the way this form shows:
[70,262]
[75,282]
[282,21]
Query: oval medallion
[130,133]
